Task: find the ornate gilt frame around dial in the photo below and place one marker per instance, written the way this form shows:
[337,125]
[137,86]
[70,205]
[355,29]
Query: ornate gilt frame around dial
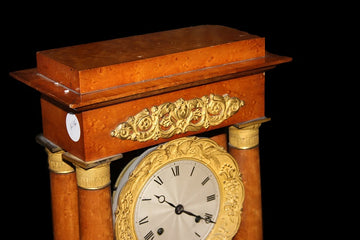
[203,150]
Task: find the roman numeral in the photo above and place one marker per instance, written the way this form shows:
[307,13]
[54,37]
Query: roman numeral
[149,235]
[197,234]
[144,220]
[208,216]
[210,198]
[158,180]
[176,172]
[146,199]
[192,171]
[205,181]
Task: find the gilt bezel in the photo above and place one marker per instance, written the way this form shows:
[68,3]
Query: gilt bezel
[203,150]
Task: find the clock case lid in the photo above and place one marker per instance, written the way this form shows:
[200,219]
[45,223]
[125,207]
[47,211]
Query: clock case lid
[101,73]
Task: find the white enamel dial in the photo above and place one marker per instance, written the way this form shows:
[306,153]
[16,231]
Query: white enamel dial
[179,202]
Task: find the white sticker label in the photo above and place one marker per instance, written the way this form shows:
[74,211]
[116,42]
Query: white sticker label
[73,127]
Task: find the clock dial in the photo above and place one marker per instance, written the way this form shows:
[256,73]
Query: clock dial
[179,201]
[186,189]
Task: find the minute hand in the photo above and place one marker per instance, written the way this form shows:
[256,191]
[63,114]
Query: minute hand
[191,214]
[198,217]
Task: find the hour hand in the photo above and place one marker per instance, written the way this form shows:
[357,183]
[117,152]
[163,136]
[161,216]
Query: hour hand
[162,199]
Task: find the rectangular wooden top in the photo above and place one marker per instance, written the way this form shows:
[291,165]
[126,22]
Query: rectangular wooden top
[93,74]
[138,48]
[100,65]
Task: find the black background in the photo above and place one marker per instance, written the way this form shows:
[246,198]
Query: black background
[289,185]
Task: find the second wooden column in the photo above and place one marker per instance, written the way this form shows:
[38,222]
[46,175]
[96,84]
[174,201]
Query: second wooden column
[243,146]
[95,202]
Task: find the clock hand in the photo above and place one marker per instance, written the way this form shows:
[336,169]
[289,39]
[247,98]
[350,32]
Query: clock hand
[198,217]
[208,220]
[180,209]
[162,199]
[191,214]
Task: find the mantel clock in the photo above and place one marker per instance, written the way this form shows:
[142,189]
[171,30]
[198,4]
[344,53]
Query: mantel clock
[191,98]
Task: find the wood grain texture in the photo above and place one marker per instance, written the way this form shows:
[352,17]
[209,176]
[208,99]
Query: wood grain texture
[68,98]
[65,210]
[54,128]
[221,139]
[251,220]
[96,124]
[91,67]
[95,214]
[105,83]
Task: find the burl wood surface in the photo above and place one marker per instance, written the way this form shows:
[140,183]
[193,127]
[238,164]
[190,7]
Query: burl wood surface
[70,99]
[104,83]
[64,202]
[251,217]
[95,214]
[96,124]
[100,65]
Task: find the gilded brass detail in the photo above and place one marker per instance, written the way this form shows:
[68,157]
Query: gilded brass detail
[168,119]
[203,150]
[57,164]
[93,178]
[244,138]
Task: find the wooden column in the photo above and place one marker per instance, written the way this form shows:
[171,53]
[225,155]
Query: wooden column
[243,146]
[221,139]
[64,197]
[95,202]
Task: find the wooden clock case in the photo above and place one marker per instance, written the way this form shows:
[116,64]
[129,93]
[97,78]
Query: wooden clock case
[109,83]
